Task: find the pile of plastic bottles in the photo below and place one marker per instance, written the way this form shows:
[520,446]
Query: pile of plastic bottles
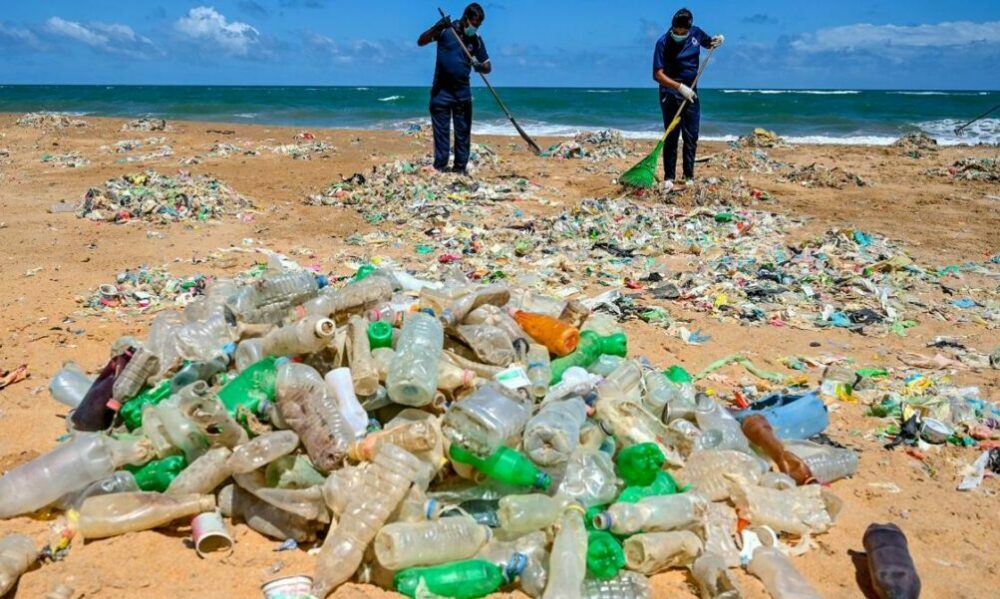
[442,439]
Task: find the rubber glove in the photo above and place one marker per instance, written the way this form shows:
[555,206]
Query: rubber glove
[688,93]
[718,40]
[478,66]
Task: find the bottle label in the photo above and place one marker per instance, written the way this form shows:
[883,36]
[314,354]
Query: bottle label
[513,378]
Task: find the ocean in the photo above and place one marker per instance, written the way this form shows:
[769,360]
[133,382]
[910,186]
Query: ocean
[803,116]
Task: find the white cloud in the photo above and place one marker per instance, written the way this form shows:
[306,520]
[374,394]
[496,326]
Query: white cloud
[113,38]
[358,50]
[15,36]
[205,24]
[866,36]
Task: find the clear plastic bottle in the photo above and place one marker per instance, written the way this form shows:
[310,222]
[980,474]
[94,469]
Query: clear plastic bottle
[401,545]
[111,515]
[450,377]
[712,472]
[529,301]
[364,373]
[69,385]
[143,365]
[681,402]
[719,533]
[712,416]
[798,510]
[262,451]
[414,437]
[539,367]
[826,463]
[268,520]
[568,562]
[553,434]
[589,478]
[17,553]
[658,513]
[120,482]
[69,467]
[268,299]
[498,317]
[653,552]
[305,503]
[306,336]
[605,364]
[340,385]
[354,298]
[713,578]
[487,418]
[204,475]
[190,422]
[627,585]
[485,371]
[413,374]
[249,351]
[532,546]
[624,383]
[205,370]
[779,576]
[631,424]
[490,344]
[388,480]
[342,485]
[308,408]
[496,294]
[520,514]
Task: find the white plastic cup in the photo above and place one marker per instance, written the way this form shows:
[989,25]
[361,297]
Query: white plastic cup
[288,587]
[340,383]
[210,535]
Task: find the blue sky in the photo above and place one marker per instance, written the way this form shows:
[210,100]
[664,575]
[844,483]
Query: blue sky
[780,43]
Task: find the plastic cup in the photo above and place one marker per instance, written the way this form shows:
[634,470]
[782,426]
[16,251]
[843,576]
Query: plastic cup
[210,535]
[288,587]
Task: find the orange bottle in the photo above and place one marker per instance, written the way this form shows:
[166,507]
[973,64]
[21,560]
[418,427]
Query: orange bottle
[559,337]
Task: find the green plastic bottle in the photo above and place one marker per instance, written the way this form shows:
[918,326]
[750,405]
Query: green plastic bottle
[131,411]
[663,484]
[461,580]
[639,464]
[591,347]
[364,272]
[254,385]
[380,334]
[506,466]
[158,474]
[604,555]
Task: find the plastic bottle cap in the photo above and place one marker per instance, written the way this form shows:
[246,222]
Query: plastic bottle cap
[518,562]
[380,334]
[677,374]
[602,521]
[543,481]
[322,281]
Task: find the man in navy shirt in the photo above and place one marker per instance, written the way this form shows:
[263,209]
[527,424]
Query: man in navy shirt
[451,96]
[675,66]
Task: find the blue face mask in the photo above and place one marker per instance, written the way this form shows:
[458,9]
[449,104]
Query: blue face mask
[679,38]
[471,31]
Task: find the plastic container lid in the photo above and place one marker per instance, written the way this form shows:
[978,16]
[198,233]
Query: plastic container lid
[380,334]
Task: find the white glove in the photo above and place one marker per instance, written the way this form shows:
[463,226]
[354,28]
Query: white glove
[688,93]
[718,40]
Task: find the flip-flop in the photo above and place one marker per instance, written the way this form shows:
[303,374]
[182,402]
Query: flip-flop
[14,376]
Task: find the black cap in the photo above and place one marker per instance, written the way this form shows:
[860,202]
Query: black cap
[476,10]
[683,19]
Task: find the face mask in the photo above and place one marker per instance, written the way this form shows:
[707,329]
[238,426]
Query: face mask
[679,38]
[471,31]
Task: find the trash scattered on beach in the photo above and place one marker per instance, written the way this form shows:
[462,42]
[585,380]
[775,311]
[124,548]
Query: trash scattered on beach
[915,145]
[971,169]
[68,160]
[762,138]
[145,124]
[55,120]
[816,175]
[153,197]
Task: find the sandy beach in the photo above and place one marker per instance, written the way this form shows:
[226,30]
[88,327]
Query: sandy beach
[52,257]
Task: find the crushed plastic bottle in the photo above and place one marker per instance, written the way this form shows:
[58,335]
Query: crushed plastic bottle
[653,552]
[415,366]
[400,545]
[553,433]
[119,513]
[70,385]
[568,561]
[662,513]
[627,585]
[17,553]
[486,419]
[779,576]
[363,371]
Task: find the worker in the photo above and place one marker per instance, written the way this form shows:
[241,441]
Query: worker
[451,96]
[675,66]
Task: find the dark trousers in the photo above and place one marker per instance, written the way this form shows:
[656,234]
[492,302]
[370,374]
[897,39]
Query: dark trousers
[690,123]
[447,106]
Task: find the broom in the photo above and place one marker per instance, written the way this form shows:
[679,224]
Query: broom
[643,174]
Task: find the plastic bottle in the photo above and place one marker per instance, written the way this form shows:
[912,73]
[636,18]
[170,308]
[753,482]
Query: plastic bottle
[589,478]
[93,413]
[353,298]
[529,301]
[460,580]
[631,424]
[653,552]
[204,370]
[759,432]
[69,467]
[720,532]
[627,585]
[504,465]
[568,562]
[204,475]
[485,419]
[590,347]
[119,482]
[826,463]
[306,336]
[663,484]
[713,578]
[190,422]
[560,338]
[306,503]
[639,465]
[891,568]
[17,553]
[605,364]
[450,377]
[661,513]
[520,514]
[157,475]
[268,520]
[248,352]
[604,555]
[309,409]
[340,385]
[625,382]
[712,416]
[254,385]
[389,478]
[779,576]
[798,510]
[413,373]
[268,299]
[455,312]
[712,472]
[497,317]
[364,374]
[539,369]
[70,385]
[133,377]
[400,545]
[293,472]
[683,397]
[490,344]
[111,515]
[131,412]
[553,434]
[414,437]
[262,451]
[533,547]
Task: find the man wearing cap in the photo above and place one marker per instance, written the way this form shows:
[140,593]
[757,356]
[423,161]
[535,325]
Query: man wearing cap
[451,95]
[675,66]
